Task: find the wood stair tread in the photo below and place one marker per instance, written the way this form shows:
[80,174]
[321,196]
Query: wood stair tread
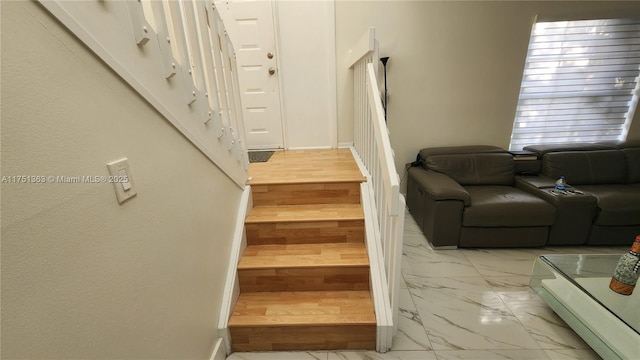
[310,179]
[301,213]
[303,308]
[303,256]
[307,166]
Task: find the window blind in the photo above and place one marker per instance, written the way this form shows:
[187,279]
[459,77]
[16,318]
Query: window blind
[580,82]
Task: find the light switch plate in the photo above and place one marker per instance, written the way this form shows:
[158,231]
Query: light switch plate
[120,177]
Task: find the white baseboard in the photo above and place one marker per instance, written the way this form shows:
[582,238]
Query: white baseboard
[345,144]
[219,351]
[310,147]
[232,288]
[379,285]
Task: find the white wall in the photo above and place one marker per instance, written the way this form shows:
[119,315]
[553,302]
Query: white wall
[455,68]
[84,277]
[308,70]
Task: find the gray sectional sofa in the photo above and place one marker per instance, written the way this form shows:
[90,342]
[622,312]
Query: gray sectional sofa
[474,196]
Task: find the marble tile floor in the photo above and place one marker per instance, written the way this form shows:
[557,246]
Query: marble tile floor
[468,304]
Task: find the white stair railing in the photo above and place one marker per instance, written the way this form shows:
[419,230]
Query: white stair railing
[371,142]
[177,55]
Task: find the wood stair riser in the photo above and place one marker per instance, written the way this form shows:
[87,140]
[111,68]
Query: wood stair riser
[308,232]
[304,279]
[306,194]
[303,256]
[304,338]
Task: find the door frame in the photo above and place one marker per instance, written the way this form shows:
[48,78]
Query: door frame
[224,7]
[276,35]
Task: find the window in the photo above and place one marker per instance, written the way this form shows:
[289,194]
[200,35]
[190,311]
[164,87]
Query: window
[580,82]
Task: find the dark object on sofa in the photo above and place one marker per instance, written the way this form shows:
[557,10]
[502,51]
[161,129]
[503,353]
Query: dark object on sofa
[467,196]
[608,171]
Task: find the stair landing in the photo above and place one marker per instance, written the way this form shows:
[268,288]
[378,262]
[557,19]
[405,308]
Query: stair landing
[306,166]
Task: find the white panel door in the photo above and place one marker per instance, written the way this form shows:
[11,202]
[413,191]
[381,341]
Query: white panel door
[251,27]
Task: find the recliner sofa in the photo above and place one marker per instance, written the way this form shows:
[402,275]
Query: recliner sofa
[468,196]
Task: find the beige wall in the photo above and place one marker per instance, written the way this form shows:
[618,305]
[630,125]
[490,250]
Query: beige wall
[84,277]
[455,68]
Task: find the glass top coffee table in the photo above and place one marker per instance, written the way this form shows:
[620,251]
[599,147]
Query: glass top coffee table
[576,287]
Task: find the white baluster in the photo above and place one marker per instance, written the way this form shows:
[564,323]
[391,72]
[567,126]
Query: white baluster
[177,19]
[169,63]
[140,27]
[229,66]
[217,31]
[198,74]
[205,12]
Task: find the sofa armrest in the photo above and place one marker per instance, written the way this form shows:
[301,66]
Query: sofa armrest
[439,186]
[528,183]
[436,201]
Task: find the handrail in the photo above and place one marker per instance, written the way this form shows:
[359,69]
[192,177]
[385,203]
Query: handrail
[373,147]
[176,55]
[385,153]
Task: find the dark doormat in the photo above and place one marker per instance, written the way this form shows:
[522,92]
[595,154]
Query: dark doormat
[259,156]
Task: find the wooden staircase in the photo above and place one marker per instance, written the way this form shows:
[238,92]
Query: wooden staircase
[304,276]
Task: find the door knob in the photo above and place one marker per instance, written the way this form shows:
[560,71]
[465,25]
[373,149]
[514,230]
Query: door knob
[270,55]
[272,71]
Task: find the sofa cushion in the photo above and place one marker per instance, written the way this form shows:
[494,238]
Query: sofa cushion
[618,204]
[475,169]
[506,206]
[633,162]
[587,167]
